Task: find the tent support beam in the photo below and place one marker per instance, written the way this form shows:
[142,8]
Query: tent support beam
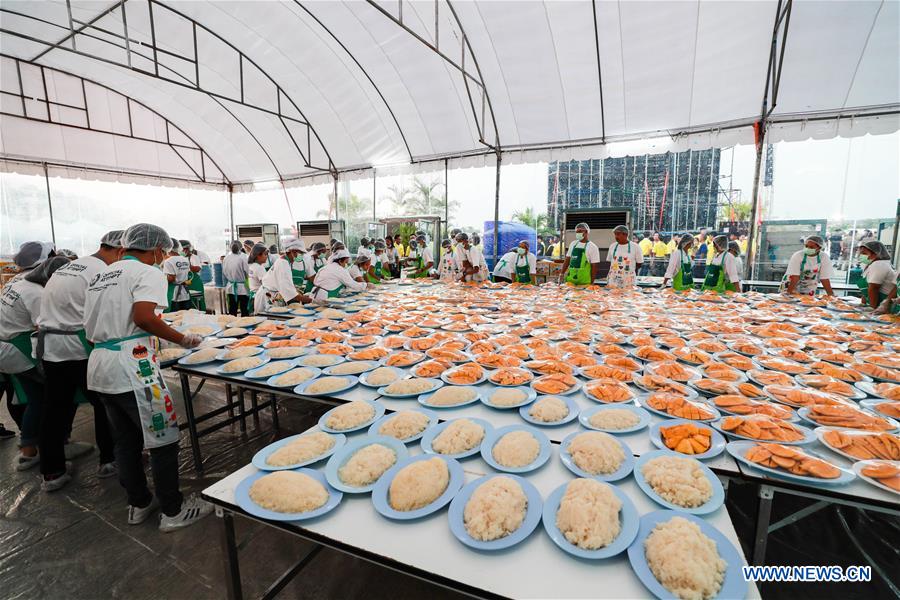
[497,209]
[599,71]
[231,211]
[49,203]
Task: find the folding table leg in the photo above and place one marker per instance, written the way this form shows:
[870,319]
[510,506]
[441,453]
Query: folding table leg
[191,422]
[764,515]
[229,549]
[242,409]
[254,407]
[275,425]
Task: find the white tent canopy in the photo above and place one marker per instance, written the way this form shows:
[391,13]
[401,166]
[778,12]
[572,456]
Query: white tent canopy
[261,91]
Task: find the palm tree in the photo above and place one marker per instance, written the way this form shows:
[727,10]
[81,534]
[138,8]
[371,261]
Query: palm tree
[538,222]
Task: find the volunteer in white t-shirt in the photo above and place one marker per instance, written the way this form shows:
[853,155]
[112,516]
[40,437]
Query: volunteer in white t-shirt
[236,271]
[681,268]
[479,249]
[283,284]
[195,282]
[364,249]
[177,270]
[20,304]
[807,267]
[360,267]
[334,277]
[878,277]
[449,270]
[624,258]
[721,272]
[734,247]
[63,350]
[120,318]
[256,260]
[421,257]
[470,259]
[582,259]
[518,265]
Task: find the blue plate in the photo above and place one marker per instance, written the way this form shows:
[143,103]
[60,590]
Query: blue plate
[259,459]
[733,586]
[221,368]
[529,523]
[716,414]
[629,523]
[491,438]
[570,402]
[242,497]
[585,417]
[333,360]
[578,385]
[338,459]
[425,399]
[221,356]
[804,415]
[382,487]
[432,432]
[432,421]
[622,472]
[379,411]
[711,505]
[717,441]
[483,378]
[271,380]
[351,380]
[252,373]
[809,435]
[437,383]
[739,449]
[486,395]
[364,378]
[366,365]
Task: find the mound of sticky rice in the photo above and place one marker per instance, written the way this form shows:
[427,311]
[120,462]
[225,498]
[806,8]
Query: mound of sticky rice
[202,330]
[274,368]
[495,509]
[684,560]
[233,332]
[326,385]
[367,465]
[410,386]
[451,396]
[302,449]
[596,453]
[172,353]
[678,480]
[507,397]
[241,352]
[614,419]
[588,514]
[459,436]
[404,424]
[549,410]
[286,352]
[351,368]
[288,492]
[419,484]
[295,377]
[320,360]
[350,415]
[516,449]
[204,355]
[242,364]
[383,376]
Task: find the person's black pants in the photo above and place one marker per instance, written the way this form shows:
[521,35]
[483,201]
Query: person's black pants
[16,411]
[62,379]
[499,279]
[127,430]
[182,305]
[236,303]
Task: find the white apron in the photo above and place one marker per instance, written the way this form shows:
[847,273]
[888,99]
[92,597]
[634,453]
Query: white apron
[809,278]
[621,271]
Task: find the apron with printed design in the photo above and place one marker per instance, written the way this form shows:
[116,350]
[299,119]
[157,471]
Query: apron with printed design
[621,271]
[809,279]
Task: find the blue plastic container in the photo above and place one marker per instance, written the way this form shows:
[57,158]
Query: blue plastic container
[217,275]
[511,233]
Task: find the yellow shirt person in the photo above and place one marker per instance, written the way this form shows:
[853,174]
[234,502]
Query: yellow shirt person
[646,245]
[660,249]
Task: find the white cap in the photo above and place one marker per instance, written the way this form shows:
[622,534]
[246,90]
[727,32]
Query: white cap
[339,255]
[294,244]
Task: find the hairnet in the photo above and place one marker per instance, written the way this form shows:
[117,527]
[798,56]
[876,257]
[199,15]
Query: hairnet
[446,243]
[734,247]
[236,247]
[43,271]
[476,238]
[379,245]
[317,246]
[617,229]
[362,259]
[176,245]
[185,244]
[363,241]
[815,239]
[720,243]
[32,253]
[877,248]
[273,248]
[338,246]
[145,236]
[687,240]
[462,237]
[248,243]
[294,244]
[112,239]
[420,238]
[67,253]
[256,251]
[339,254]
[524,242]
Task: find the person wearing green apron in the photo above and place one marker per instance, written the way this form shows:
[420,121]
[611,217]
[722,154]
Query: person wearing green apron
[360,267]
[335,277]
[807,267]
[62,350]
[236,272]
[283,284]
[177,270]
[721,272]
[256,260]
[878,279]
[420,257]
[20,303]
[378,269]
[582,260]
[680,265]
[121,321]
[524,268]
[504,269]
[195,283]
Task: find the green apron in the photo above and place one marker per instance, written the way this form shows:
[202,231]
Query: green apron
[684,280]
[523,273]
[715,278]
[420,266]
[298,276]
[116,344]
[194,283]
[863,284]
[379,274]
[22,343]
[579,272]
[331,293]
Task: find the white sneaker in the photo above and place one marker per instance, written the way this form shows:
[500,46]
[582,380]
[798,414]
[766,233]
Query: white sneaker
[192,510]
[107,470]
[52,485]
[76,449]
[136,515]
[23,463]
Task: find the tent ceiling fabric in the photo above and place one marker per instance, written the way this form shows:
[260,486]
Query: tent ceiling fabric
[374,93]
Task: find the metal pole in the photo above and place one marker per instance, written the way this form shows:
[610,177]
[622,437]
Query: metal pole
[373,193]
[49,204]
[231,211]
[497,209]
[336,211]
[754,200]
[446,202]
